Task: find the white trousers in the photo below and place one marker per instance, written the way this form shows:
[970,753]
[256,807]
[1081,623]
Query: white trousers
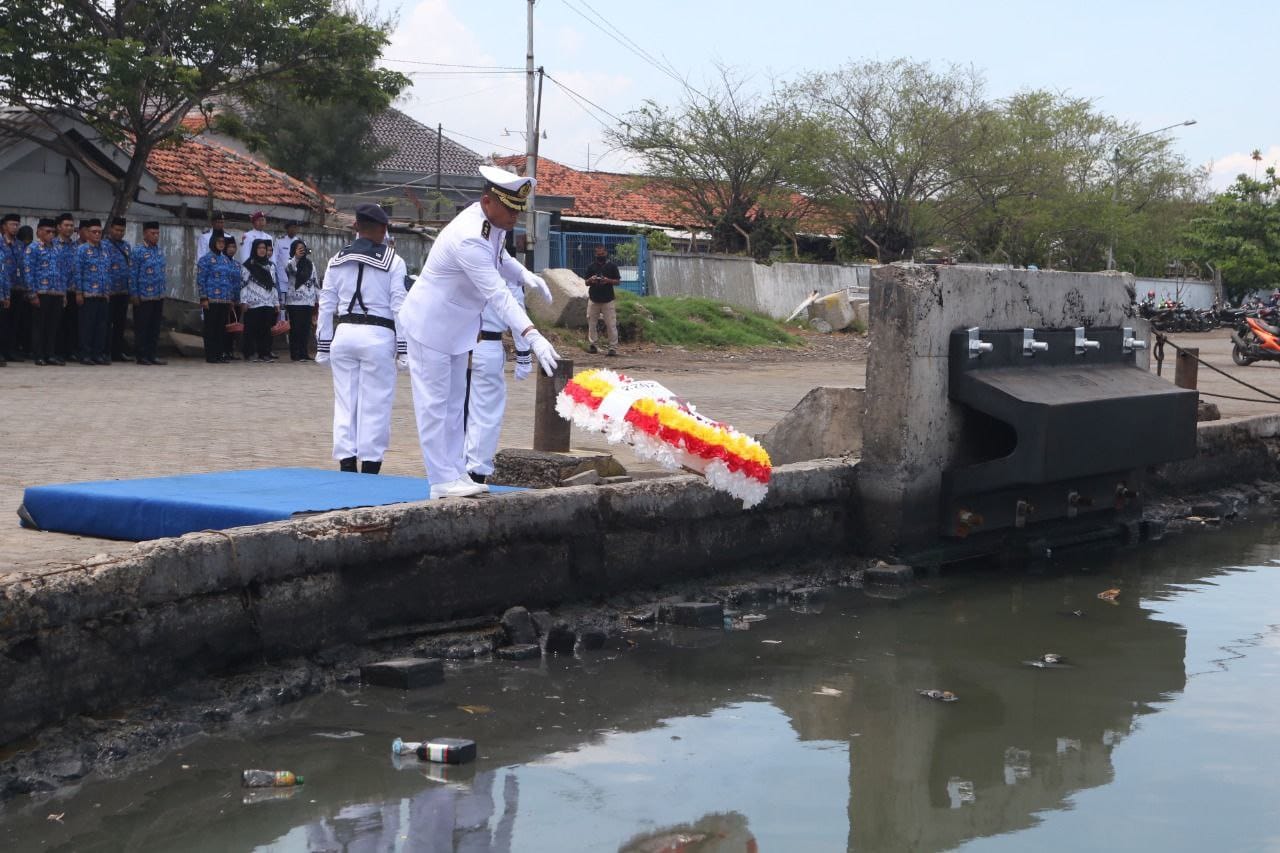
[439,391]
[485,406]
[363,361]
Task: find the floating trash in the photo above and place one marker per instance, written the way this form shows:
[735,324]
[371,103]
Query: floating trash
[828,691]
[754,617]
[1048,660]
[1109,595]
[477,709]
[772,642]
[270,779]
[347,735]
[939,695]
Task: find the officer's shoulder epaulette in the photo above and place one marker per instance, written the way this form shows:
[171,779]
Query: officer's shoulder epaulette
[485,229]
[379,256]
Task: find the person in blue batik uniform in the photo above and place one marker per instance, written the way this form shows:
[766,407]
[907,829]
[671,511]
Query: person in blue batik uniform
[65,242]
[217,279]
[17,325]
[118,250]
[46,292]
[91,282]
[147,288]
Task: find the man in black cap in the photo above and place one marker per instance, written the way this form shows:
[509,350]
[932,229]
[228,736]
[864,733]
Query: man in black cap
[217,222]
[46,292]
[65,244]
[118,249]
[364,287]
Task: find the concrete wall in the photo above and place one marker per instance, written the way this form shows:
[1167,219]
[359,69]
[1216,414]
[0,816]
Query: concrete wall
[88,639]
[911,429]
[773,290]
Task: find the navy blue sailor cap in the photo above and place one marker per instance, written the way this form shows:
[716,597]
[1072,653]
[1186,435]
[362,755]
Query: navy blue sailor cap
[372,213]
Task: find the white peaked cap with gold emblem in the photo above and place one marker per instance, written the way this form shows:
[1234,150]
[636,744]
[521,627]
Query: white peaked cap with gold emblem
[509,188]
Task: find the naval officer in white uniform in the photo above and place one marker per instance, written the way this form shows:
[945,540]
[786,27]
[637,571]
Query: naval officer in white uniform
[467,269]
[364,288]
[487,399]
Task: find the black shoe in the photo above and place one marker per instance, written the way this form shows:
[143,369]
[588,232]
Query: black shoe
[348,464]
[477,478]
[592,349]
[157,361]
[368,466]
[226,359]
[142,361]
[39,362]
[612,351]
[60,362]
[101,361]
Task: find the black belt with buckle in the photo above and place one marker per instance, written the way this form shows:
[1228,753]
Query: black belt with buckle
[367,320]
[490,336]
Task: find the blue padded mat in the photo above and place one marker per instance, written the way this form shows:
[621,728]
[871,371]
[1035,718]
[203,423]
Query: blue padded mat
[171,506]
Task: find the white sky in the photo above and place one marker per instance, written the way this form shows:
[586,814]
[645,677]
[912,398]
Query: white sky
[1152,63]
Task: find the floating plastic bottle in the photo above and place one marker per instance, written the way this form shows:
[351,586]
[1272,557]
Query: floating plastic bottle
[270,779]
[403,747]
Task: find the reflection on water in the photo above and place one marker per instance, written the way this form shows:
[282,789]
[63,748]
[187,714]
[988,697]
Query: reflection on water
[806,731]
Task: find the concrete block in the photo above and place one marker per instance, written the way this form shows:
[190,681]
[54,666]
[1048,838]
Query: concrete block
[834,309]
[518,626]
[614,481]
[403,673]
[560,638]
[188,346]
[861,313]
[586,478]
[540,469]
[568,306]
[826,423]
[891,574]
[541,622]
[522,651]
[693,614]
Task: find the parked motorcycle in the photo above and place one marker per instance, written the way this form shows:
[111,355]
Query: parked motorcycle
[1256,339]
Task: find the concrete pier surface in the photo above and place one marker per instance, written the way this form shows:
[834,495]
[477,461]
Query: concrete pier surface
[79,423]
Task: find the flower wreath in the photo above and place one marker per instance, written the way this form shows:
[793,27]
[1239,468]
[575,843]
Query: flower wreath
[663,428]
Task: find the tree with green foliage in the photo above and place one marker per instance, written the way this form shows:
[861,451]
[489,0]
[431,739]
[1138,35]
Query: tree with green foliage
[897,139]
[730,159]
[323,139]
[1239,234]
[1047,188]
[129,71]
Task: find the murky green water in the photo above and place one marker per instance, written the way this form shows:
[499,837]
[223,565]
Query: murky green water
[803,733]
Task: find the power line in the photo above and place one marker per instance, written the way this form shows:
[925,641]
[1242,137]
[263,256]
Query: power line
[628,44]
[588,100]
[485,141]
[664,65]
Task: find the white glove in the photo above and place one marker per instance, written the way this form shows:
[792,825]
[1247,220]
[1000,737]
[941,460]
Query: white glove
[524,364]
[402,363]
[537,282]
[542,351]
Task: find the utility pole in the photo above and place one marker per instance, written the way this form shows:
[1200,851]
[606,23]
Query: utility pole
[531,146]
[439,145]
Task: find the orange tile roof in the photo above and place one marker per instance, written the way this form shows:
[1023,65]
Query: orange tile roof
[195,167]
[635,198]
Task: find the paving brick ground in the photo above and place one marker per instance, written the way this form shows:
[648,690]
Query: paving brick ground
[90,423]
[77,423]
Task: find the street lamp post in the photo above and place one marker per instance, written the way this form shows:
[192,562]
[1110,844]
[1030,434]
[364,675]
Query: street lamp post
[1115,182]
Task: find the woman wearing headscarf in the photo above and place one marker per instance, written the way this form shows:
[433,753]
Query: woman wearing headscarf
[300,299]
[260,301]
[231,339]
[215,279]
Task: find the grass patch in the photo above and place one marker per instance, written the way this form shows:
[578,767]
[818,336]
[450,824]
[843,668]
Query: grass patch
[694,322]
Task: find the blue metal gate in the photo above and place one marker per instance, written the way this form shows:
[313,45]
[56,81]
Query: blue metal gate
[576,250]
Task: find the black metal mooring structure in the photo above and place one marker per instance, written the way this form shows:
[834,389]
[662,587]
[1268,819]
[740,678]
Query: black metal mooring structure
[1057,424]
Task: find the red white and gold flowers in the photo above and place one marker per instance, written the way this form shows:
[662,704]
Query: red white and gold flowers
[664,429]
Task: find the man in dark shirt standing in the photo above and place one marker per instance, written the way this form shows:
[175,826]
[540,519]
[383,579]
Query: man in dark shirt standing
[602,277]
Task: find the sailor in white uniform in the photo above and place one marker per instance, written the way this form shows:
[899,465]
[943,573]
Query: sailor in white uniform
[364,287]
[467,268]
[487,398]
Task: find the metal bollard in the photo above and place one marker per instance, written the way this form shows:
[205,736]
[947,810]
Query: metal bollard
[1187,368]
[550,431]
